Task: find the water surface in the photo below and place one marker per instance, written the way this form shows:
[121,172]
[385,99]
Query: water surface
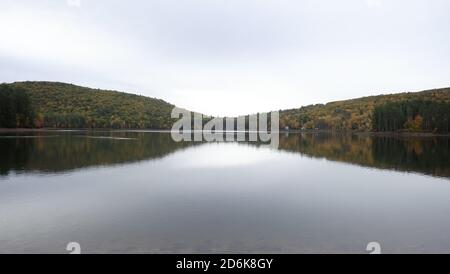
[141,192]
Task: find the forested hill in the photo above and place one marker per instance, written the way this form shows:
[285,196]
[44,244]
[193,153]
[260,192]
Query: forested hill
[410,111]
[59,105]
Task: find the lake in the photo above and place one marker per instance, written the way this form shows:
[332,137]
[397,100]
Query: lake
[141,192]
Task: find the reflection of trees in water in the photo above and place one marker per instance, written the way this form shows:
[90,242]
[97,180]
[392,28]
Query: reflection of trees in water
[428,155]
[72,151]
[68,151]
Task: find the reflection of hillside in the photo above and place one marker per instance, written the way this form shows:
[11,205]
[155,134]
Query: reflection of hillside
[424,155]
[71,151]
[61,151]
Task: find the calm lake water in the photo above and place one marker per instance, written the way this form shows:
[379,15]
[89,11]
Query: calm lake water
[140,192]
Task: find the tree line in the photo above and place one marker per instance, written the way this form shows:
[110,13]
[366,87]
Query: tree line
[16,110]
[60,105]
[412,115]
[363,114]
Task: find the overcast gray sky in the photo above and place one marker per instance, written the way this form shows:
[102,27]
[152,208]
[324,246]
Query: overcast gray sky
[230,57]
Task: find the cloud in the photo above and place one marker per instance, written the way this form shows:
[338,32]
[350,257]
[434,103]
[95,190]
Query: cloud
[230,57]
[74,3]
[374,3]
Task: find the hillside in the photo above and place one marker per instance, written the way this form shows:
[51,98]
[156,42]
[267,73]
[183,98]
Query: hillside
[59,105]
[68,106]
[416,111]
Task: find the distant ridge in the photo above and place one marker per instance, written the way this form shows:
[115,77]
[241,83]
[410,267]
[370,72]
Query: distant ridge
[64,105]
[358,114]
[61,105]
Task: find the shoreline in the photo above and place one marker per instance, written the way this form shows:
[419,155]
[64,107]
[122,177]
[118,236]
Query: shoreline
[79,129]
[370,133]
